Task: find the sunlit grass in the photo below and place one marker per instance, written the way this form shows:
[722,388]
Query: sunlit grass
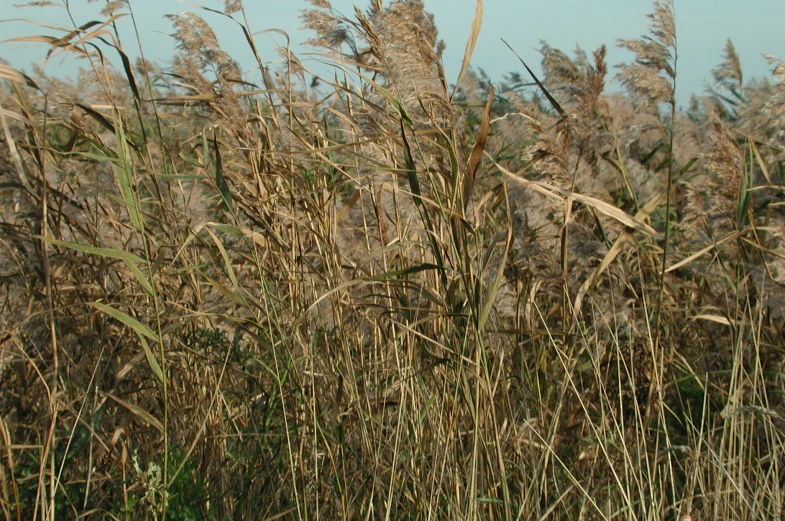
[381,295]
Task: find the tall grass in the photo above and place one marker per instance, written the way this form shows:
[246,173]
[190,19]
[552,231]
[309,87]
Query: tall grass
[372,294]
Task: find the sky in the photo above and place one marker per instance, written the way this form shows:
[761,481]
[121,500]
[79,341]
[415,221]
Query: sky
[703,26]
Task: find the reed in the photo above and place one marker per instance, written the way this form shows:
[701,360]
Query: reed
[374,294]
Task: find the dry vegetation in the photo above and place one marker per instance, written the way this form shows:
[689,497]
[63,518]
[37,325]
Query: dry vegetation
[385,297]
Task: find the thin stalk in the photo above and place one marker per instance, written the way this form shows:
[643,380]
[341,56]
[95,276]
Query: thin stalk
[52,440]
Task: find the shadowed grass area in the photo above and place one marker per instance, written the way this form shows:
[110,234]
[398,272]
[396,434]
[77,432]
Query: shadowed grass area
[371,294]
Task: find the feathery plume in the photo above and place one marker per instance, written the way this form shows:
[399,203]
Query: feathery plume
[651,78]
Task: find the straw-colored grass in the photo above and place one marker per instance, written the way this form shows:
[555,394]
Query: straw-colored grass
[380,295]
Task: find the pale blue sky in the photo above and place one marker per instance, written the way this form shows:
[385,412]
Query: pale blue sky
[703,26]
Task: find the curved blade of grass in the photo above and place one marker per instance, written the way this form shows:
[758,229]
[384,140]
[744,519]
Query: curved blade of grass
[613,252]
[236,296]
[717,319]
[551,99]
[100,118]
[138,411]
[129,73]
[687,167]
[702,252]
[125,176]
[645,159]
[131,260]
[407,271]
[14,76]
[128,320]
[477,151]
[474,32]
[490,298]
[225,257]
[154,365]
[414,184]
[601,206]
[341,287]
[141,331]
[759,160]
[392,99]
[745,182]
[220,180]
[129,365]
[82,29]
[16,158]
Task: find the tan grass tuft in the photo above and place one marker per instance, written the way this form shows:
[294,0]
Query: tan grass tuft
[368,295]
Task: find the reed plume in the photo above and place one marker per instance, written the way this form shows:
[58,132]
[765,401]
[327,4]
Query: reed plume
[284,293]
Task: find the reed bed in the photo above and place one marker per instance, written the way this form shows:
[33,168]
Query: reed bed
[382,293]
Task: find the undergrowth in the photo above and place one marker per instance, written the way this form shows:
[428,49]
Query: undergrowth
[381,293]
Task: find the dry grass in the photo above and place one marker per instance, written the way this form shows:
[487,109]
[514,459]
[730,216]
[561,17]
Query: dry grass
[385,297]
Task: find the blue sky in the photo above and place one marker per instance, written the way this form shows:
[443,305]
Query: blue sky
[703,26]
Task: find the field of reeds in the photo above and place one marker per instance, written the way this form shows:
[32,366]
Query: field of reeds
[381,293]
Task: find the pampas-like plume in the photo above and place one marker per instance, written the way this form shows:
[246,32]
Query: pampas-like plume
[560,71]
[403,52]
[651,78]
[232,6]
[331,31]
[710,201]
[727,93]
[726,167]
[407,144]
[405,45]
[728,73]
[775,107]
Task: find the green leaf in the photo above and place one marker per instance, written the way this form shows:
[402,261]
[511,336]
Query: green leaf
[131,260]
[225,256]
[220,180]
[234,295]
[128,320]
[129,74]
[686,168]
[141,331]
[551,99]
[140,278]
[397,104]
[414,185]
[645,159]
[490,298]
[406,271]
[193,161]
[125,177]
[138,411]
[154,366]
[104,252]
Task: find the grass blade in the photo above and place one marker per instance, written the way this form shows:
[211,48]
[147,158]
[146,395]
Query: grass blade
[139,412]
[128,320]
[474,33]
